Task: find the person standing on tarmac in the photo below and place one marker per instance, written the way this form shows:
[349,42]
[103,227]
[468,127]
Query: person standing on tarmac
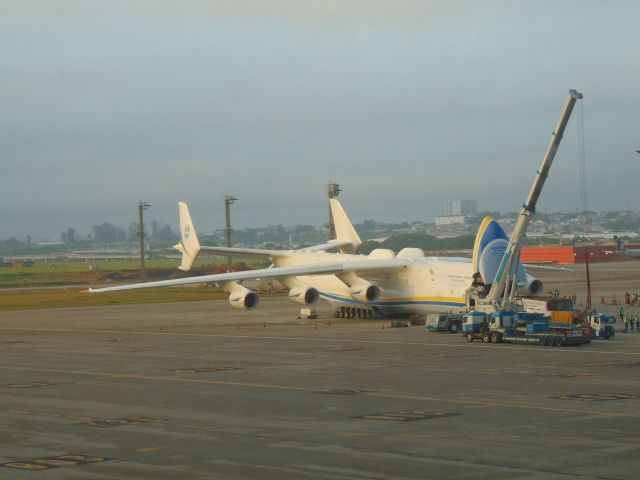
[626,323]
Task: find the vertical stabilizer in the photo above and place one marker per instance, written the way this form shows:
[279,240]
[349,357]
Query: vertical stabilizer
[488,250]
[189,246]
[344,229]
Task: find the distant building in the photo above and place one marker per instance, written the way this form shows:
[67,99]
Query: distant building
[460,207]
[446,220]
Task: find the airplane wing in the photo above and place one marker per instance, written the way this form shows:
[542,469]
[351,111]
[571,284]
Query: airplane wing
[356,266]
[535,266]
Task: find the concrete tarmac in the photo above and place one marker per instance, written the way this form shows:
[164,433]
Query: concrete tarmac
[199,391]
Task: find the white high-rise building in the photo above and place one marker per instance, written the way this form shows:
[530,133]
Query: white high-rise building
[461,207]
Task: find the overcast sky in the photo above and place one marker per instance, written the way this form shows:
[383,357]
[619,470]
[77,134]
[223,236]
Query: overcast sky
[406,104]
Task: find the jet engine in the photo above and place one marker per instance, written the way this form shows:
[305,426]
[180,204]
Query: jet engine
[304,295]
[241,297]
[365,292]
[532,287]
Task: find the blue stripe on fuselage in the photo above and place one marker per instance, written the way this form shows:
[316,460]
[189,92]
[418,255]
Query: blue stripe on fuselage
[383,303]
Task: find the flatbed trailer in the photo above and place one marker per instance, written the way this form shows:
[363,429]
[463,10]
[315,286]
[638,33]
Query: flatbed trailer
[557,339]
[515,327]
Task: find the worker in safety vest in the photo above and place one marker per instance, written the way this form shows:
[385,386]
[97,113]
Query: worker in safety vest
[626,323]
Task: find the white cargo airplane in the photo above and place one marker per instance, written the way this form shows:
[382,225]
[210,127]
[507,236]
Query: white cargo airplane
[381,283]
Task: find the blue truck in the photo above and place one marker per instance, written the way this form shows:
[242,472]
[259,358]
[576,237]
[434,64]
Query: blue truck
[521,327]
[443,322]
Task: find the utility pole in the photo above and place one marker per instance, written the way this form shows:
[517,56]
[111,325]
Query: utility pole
[228,200]
[141,207]
[333,190]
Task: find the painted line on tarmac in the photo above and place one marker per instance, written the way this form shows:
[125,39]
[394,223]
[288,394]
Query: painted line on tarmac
[151,449]
[483,403]
[520,348]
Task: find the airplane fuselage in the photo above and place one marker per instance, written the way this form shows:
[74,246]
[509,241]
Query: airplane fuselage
[426,285]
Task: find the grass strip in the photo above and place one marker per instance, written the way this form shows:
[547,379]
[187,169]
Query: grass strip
[74,297]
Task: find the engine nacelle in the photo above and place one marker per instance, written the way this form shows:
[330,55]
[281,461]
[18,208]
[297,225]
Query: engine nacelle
[241,297]
[365,292]
[304,295]
[532,287]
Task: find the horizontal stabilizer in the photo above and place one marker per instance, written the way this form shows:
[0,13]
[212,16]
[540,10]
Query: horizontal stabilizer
[325,247]
[244,252]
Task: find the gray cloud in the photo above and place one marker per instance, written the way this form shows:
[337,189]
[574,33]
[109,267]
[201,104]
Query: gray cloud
[406,104]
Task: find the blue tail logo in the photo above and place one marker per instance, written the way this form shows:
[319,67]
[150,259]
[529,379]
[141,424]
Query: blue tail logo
[488,250]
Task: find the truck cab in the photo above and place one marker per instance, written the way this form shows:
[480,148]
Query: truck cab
[476,326]
[603,325]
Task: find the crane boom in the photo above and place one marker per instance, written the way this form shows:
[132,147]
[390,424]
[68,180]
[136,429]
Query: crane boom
[508,265]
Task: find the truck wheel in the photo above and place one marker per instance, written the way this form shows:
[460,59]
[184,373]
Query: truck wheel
[559,342]
[453,328]
[336,314]
[542,341]
[607,337]
[549,341]
[495,338]
[469,337]
[486,338]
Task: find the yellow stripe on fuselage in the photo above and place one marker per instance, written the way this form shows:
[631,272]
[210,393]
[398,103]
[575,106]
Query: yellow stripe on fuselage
[423,299]
[476,245]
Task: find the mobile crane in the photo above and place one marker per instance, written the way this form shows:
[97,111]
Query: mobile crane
[490,308]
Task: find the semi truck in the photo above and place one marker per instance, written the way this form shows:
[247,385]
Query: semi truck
[521,327]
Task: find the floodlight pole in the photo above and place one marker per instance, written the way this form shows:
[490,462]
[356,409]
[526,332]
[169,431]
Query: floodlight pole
[228,200]
[141,207]
[333,190]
